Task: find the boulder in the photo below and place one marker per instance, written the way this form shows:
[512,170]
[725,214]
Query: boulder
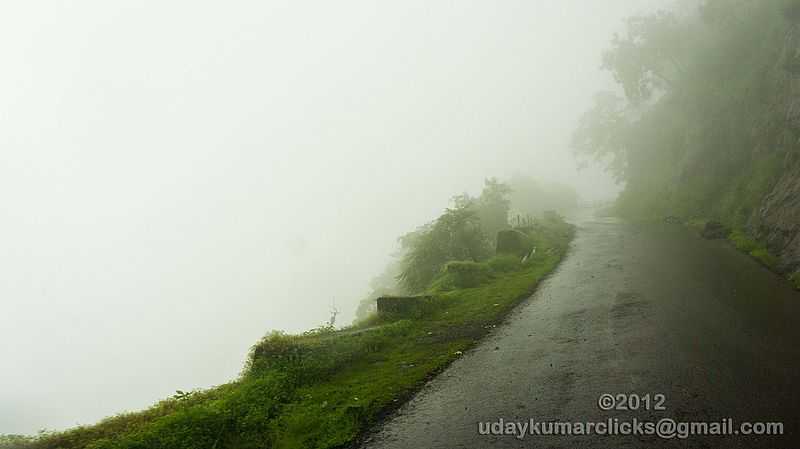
[512,241]
[465,274]
[714,230]
[404,306]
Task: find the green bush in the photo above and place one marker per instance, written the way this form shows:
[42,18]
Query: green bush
[15,441]
[276,350]
[456,235]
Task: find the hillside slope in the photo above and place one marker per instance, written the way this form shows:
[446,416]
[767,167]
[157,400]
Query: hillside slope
[322,389]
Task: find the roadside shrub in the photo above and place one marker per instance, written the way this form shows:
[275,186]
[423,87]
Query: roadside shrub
[742,242]
[276,350]
[15,441]
[456,235]
[763,256]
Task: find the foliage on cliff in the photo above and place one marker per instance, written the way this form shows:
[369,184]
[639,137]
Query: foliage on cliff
[706,120]
[699,128]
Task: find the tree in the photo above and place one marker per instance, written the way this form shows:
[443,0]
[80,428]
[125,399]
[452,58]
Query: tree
[492,207]
[647,57]
[703,87]
[456,235]
[602,132]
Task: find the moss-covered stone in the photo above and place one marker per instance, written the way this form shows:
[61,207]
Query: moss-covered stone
[515,242]
[404,306]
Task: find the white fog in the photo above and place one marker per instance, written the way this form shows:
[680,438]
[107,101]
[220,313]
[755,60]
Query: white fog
[179,178]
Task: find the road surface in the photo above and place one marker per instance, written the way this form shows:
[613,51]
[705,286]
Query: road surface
[643,309]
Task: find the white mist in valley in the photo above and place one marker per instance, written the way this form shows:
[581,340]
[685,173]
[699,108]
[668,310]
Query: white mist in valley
[180,178]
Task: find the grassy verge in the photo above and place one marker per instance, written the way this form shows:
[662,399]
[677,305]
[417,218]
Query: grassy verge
[324,388]
[747,245]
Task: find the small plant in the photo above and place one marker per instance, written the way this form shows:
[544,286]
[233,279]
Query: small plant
[742,242]
[334,312]
[795,279]
[763,256]
[747,245]
[181,395]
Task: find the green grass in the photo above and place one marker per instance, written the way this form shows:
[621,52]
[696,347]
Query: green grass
[747,245]
[324,388]
[764,256]
[742,241]
[463,274]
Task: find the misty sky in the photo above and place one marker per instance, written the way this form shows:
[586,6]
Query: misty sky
[180,177]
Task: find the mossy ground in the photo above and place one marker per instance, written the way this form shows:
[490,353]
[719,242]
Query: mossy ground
[323,389]
[747,245]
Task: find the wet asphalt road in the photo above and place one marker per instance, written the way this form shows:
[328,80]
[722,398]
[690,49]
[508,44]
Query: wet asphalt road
[632,309]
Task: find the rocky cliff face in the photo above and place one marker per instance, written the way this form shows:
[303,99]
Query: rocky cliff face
[777,220]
